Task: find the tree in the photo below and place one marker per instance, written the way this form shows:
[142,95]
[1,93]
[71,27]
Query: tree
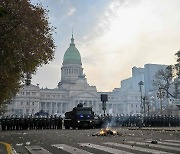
[170,77]
[25,43]
[177,72]
[164,79]
[177,66]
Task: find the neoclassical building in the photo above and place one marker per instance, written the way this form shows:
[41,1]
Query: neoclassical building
[74,89]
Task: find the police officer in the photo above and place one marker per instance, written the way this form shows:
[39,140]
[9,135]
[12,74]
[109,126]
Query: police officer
[12,119]
[3,123]
[8,123]
[59,122]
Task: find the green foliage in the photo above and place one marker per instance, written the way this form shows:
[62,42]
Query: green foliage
[25,43]
[2,11]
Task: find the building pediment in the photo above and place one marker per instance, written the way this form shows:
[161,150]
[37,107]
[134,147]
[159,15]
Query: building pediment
[85,95]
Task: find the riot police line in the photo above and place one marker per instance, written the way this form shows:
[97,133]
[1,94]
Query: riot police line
[55,122]
[137,121]
[31,122]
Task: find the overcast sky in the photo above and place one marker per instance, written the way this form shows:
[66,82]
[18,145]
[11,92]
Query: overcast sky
[112,36]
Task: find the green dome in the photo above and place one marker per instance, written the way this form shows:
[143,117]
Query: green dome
[72,54]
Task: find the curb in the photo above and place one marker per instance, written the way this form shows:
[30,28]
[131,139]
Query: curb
[8,147]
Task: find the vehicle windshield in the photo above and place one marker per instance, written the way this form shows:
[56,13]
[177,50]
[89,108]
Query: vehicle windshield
[84,112]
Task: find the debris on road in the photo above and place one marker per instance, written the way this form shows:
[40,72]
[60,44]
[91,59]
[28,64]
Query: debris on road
[106,132]
[27,143]
[19,144]
[154,142]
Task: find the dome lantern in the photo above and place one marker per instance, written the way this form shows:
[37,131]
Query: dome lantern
[72,54]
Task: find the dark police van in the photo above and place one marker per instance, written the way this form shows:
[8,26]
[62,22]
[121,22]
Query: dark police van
[79,117]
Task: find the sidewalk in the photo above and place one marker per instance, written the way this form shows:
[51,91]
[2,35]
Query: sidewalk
[156,128]
[3,149]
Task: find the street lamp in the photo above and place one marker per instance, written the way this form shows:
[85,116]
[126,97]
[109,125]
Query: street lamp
[160,95]
[146,104]
[140,88]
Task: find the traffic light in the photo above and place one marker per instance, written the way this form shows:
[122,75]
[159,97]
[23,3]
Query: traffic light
[104,97]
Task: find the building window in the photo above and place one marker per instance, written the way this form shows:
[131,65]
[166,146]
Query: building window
[53,105]
[48,104]
[27,103]
[85,103]
[64,105]
[58,105]
[32,111]
[90,103]
[110,106]
[43,104]
[34,93]
[32,103]
[27,93]
[42,95]
[21,103]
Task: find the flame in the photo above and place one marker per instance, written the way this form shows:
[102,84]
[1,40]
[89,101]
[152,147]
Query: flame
[102,132]
[107,131]
[114,132]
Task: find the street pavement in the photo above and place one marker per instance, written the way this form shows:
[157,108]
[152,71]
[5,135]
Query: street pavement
[137,141]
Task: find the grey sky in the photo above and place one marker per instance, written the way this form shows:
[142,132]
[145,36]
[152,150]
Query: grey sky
[112,37]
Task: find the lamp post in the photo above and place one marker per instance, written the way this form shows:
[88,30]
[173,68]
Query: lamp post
[160,95]
[146,104]
[140,88]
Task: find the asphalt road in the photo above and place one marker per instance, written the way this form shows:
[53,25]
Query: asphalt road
[83,141]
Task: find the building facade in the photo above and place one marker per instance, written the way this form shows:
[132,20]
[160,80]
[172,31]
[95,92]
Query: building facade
[73,89]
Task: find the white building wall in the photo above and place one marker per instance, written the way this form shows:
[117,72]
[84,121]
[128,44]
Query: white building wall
[149,73]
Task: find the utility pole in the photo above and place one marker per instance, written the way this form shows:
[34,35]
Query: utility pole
[140,88]
[160,95]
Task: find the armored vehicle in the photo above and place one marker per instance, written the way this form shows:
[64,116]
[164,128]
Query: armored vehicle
[79,117]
